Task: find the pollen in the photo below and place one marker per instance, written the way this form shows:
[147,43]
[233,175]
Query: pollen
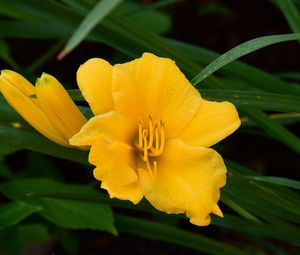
[150,142]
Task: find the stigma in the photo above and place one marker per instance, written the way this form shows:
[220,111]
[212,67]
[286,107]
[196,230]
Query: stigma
[150,142]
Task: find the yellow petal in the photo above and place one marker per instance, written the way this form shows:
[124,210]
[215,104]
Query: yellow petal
[94,79]
[18,81]
[126,99]
[30,111]
[115,126]
[213,122]
[131,192]
[159,88]
[187,180]
[115,162]
[58,106]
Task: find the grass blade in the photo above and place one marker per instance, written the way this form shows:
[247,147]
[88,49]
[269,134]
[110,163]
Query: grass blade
[277,180]
[260,100]
[253,76]
[242,50]
[289,10]
[96,15]
[273,128]
[159,231]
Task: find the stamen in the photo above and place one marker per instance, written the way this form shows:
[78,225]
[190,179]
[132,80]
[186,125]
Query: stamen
[156,140]
[162,138]
[151,142]
[154,168]
[140,135]
[145,158]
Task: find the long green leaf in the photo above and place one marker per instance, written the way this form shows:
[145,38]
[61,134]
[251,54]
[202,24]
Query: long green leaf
[263,101]
[260,100]
[231,222]
[277,180]
[282,118]
[254,77]
[159,231]
[64,213]
[12,213]
[289,10]
[273,128]
[242,50]
[95,16]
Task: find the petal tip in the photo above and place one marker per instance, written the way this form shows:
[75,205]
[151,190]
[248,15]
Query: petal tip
[200,221]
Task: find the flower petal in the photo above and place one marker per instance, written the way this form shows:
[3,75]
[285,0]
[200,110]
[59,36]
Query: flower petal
[30,111]
[159,89]
[126,100]
[114,126]
[131,192]
[187,180]
[94,79]
[213,122]
[58,106]
[115,162]
[18,81]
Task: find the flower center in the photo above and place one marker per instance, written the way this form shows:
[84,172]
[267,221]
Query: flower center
[151,141]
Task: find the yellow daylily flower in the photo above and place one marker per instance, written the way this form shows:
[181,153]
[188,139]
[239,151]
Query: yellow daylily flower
[150,135]
[47,106]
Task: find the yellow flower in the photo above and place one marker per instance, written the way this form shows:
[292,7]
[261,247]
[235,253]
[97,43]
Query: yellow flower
[150,135]
[47,107]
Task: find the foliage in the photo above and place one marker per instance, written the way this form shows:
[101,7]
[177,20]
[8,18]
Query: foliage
[44,202]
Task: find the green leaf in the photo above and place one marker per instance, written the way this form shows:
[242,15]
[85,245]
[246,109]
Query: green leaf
[6,150]
[261,100]
[68,241]
[24,139]
[289,9]
[77,215]
[237,208]
[96,15]
[251,195]
[277,180]
[18,10]
[258,229]
[242,50]
[252,76]
[14,212]
[8,242]
[273,128]
[160,231]
[5,171]
[156,22]
[240,98]
[146,16]
[282,118]
[294,76]
[64,213]
[33,233]
[5,54]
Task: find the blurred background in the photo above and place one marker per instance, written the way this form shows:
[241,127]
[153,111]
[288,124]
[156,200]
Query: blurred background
[213,24]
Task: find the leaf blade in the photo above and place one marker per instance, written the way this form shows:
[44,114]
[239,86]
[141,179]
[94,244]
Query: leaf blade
[95,16]
[242,50]
[14,212]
